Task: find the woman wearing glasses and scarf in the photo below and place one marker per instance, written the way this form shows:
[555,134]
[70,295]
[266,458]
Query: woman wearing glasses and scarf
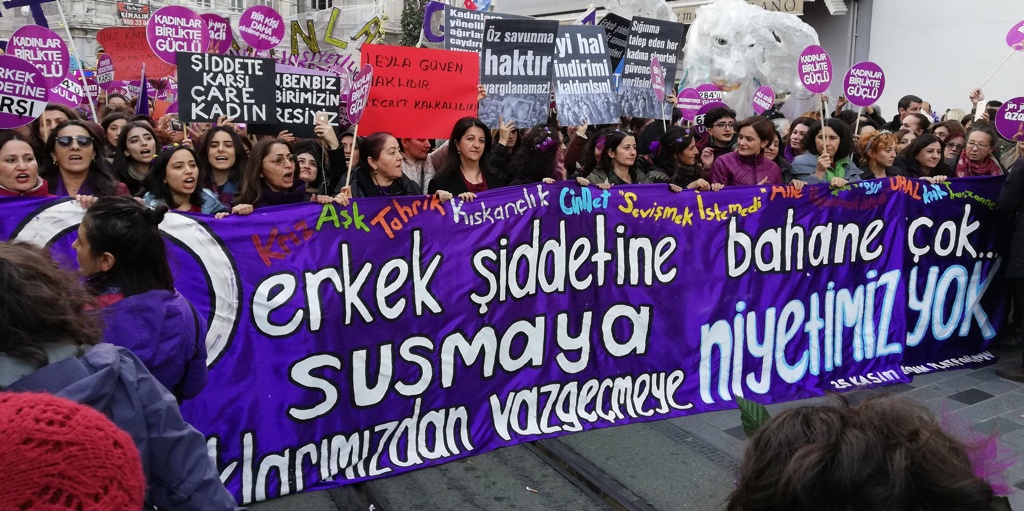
[74,166]
[270,178]
[977,158]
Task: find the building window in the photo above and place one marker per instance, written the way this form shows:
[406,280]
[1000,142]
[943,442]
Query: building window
[319,5]
[238,5]
[206,4]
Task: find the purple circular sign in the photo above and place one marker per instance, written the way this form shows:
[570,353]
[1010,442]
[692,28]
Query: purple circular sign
[44,49]
[815,68]
[360,93]
[104,71]
[25,92]
[658,79]
[1015,37]
[1010,120]
[764,98]
[709,92]
[219,30]
[699,119]
[261,27]
[69,92]
[689,103]
[174,29]
[864,84]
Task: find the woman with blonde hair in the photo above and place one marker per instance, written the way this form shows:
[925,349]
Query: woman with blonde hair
[878,155]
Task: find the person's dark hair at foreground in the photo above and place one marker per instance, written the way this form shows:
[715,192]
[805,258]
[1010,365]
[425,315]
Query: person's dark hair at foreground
[884,454]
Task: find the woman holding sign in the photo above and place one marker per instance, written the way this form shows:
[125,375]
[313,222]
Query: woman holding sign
[19,170]
[379,173]
[74,166]
[830,158]
[467,171]
[616,166]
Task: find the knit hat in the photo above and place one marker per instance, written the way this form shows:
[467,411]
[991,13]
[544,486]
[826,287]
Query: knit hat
[57,455]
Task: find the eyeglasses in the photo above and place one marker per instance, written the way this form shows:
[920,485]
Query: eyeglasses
[956,147]
[67,140]
[724,125]
[280,159]
[977,145]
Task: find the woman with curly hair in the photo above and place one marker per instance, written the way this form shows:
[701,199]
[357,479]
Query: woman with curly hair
[878,155]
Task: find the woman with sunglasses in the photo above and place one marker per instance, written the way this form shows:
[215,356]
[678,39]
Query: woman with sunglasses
[136,147]
[75,166]
[270,178]
[19,170]
[174,180]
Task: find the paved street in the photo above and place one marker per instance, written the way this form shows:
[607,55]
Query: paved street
[685,463]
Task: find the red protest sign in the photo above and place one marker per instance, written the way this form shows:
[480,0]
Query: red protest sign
[128,49]
[419,92]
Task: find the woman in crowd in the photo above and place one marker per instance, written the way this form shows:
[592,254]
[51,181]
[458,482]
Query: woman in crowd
[676,162]
[797,130]
[350,144]
[978,158]
[905,137]
[75,166]
[173,180]
[308,160]
[122,256]
[379,173]
[537,158]
[886,453]
[589,156]
[136,147]
[269,179]
[50,342]
[747,165]
[19,170]
[923,159]
[773,151]
[467,171]
[616,166]
[53,115]
[944,129]
[505,137]
[954,143]
[112,125]
[878,155]
[222,157]
[829,159]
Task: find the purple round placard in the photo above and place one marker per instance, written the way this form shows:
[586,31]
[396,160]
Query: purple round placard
[658,79]
[44,49]
[261,27]
[68,93]
[815,68]
[764,98]
[689,103]
[1010,120]
[175,28]
[360,93]
[25,92]
[864,84]
[709,92]
[219,30]
[104,71]
[1015,37]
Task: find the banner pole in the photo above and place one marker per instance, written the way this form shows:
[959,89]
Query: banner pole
[856,125]
[355,140]
[74,53]
[977,111]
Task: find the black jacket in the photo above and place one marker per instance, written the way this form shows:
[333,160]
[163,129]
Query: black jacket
[454,184]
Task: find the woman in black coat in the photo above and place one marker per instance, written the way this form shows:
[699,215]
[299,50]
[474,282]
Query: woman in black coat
[467,171]
[1011,205]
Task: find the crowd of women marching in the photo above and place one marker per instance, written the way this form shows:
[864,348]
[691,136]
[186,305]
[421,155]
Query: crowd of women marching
[129,170]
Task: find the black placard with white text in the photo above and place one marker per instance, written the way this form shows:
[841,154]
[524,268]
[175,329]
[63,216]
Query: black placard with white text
[649,38]
[515,70]
[241,88]
[300,97]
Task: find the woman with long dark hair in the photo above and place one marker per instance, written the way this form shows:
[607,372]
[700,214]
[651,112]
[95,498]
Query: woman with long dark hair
[536,159]
[74,166]
[676,161]
[136,147]
[467,170]
[174,181]
[112,125]
[222,157]
[270,178]
[829,156]
[923,159]
[19,170]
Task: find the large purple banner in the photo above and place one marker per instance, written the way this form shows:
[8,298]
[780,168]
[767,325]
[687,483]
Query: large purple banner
[348,343]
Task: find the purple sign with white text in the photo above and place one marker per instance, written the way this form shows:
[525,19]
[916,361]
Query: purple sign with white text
[44,49]
[815,69]
[348,343]
[104,71]
[23,92]
[764,98]
[1010,120]
[174,29]
[709,93]
[219,30]
[689,103]
[68,93]
[261,27]
[864,84]
[698,120]
[658,79]
[359,93]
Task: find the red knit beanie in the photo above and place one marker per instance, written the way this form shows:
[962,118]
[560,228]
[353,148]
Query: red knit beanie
[56,454]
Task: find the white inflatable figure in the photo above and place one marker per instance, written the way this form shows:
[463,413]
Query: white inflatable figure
[738,47]
[656,9]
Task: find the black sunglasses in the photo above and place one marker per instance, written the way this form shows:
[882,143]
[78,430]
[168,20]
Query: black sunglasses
[66,140]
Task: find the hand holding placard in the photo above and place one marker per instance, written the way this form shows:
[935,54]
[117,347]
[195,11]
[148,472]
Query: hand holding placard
[815,69]
[357,98]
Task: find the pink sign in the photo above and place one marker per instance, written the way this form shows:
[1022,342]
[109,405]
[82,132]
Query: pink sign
[764,98]
[44,49]
[360,93]
[689,103]
[69,92]
[261,27]
[1010,120]
[864,84]
[815,69]
[104,71]
[175,28]
[219,30]
[709,93]
[1015,37]
[658,79]
[24,92]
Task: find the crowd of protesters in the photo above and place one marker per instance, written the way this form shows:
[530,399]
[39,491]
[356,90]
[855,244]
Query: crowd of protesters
[129,171]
